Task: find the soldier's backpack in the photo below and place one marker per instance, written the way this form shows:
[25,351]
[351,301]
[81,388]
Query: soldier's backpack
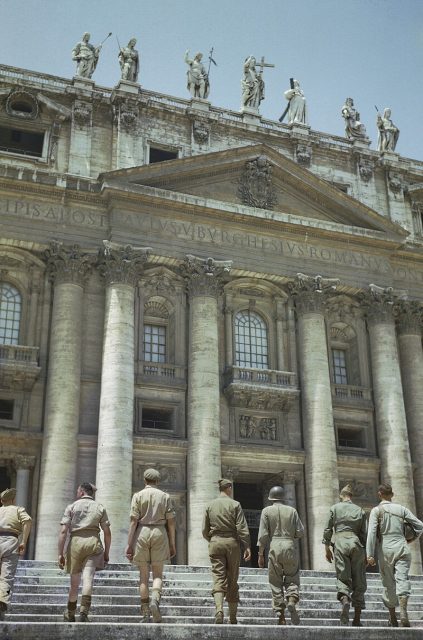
[408,529]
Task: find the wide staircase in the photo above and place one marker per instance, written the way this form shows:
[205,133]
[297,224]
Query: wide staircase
[40,596]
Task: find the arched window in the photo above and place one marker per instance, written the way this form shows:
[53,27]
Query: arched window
[250,340]
[10,313]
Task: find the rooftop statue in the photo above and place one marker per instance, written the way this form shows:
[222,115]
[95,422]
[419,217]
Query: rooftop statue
[297,107]
[252,84]
[86,56]
[129,61]
[354,130]
[388,132]
[197,76]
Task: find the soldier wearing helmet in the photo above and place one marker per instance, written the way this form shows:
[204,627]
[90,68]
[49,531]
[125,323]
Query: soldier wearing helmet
[280,525]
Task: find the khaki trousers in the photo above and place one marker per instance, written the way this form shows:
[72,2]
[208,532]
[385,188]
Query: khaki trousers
[284,572]
[350,567]
[225,558]
[8,563]
[394,558]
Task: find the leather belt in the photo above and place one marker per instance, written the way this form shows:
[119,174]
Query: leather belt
[9,533]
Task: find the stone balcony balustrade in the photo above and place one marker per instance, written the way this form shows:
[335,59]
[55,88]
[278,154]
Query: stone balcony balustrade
[160,372]
[260,388]
[18,367]
[351,395]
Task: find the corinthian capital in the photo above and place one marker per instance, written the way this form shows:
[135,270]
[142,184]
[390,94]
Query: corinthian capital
[378,303]
[67,264]
[24,462]
[120,264]
[309,292]
[409,314]
[205,276]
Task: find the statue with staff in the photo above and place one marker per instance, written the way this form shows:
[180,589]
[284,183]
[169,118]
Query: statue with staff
[388,132]
[197,77]
[252,83]
[86,55]
[129,61]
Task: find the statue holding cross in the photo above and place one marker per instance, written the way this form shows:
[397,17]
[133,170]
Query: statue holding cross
[252,83]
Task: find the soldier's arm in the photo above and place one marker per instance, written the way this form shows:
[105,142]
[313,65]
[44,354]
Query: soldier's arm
[363,530]
[171,529]
[371,536]
[129,552]
[242,528]
[206,526]
[107,539]
[26,529]
[61,546]
[328,530]
[299,527]
[263,534]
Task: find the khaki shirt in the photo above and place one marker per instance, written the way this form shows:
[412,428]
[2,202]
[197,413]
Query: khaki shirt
[346,517]
[391,524]
[151,506]
[85,514]
[12,518]
[225,517]
[279,521]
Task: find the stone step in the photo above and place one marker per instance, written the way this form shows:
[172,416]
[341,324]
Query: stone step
[128,631]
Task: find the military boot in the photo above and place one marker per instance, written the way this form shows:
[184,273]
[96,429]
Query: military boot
[345,613]
[3,609]
[403,601]
[154,607]
[281,619]
[233,609]
[69,613]
[295,618]
[145,610]
[84,609]
[357,617]
[218,601]
[393,622]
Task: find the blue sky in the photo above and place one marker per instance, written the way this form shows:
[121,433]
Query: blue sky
[371,50]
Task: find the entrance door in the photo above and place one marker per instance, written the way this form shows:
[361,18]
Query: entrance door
[4,479]
[251,498]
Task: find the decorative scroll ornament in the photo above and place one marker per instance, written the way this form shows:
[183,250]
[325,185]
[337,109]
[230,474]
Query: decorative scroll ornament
[82,112]
[22,104]
[303,154]
[122,264]
[409,314]
[378,303]
[205,276]
[68,264]
[395,183]
[255,184]
[365,169]
[126,113]
[309,291]
[200,131]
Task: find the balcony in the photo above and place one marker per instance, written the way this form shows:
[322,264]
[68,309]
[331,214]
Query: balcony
[161,373]
[349,395]
[260,388]
[18,367]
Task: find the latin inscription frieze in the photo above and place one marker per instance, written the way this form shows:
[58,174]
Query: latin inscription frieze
[53,213]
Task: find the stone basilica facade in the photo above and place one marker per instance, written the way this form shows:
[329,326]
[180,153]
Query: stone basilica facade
[207,292]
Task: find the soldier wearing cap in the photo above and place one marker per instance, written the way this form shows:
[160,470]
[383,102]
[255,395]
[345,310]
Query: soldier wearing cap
[225,529]
[280,525]
[151,540]
[15,526]
[81,524]
[349,524]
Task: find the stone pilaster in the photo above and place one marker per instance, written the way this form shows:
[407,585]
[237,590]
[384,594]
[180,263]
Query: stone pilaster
[391,424]
[68,269]
[204,283]
[23,465]
[321,472]
[410,317]
[121,268]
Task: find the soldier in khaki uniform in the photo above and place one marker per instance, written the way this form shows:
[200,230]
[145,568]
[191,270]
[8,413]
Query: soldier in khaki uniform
[85,554]
[14,523]
[152,533]
[281,525]
[225,528]
[394,555]
[349,524]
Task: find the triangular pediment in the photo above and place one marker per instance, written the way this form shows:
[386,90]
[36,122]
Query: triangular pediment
[255,176]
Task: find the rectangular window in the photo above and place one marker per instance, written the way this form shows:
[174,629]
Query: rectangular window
[161,155]
[154,343]
[339,366]
[156,419]
[6,409]
[353,438]
[28,143]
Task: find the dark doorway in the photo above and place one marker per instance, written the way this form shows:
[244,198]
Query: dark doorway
[4,479]
[251,498]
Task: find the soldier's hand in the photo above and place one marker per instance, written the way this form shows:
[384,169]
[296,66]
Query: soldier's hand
[329,554]
[261,561]
[106,557]
[61,561]
[129,553]
[172,550]
[371,561]
[21,549]
[247,554]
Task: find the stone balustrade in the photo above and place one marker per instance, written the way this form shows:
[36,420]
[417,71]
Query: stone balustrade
[351,394]
[18,366]
[261,376]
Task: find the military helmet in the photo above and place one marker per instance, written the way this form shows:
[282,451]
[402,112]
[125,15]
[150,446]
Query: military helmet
[275,493]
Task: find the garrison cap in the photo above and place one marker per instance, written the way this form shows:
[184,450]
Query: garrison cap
[224,483]
[7,495]
[347,490]
[151,475]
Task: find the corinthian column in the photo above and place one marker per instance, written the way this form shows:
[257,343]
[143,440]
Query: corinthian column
[121,268]
[23,466]
[321,471]
[410,316]
[204,281]
[391,424]
[68,269]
